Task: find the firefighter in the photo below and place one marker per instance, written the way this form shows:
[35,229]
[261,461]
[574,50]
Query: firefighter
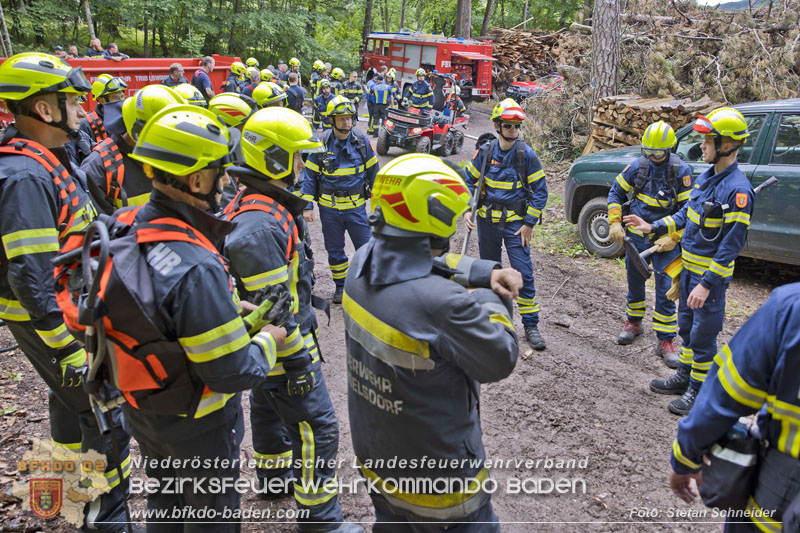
[294,66]
[353,91]
[514,194]
[106,89]
[382,94]
[420,94]
[269,95]
[235,81]
[659,183]
[715,221]
[337,79]
[191,94]
[115,180]
[295,94]
[251,62]
[268,75]
[418,347]
[291,414]
[233,109]
[315,88]
[42,207]
[254,75]
[185,150]
[391,81]
[321,103]
[370,98]
[339,180]
[453,104]
[757,371]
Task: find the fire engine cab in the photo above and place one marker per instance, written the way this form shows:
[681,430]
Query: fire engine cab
[469,61]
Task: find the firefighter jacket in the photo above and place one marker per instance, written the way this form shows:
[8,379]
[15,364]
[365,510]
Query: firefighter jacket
[394,88]
[353,90]
[115,180]
[92,125]
[342,176]
[418,347]
[453,104]
[337,87]
[759,367]
[656,189]
[514,187]
[321,103]
[265,249]
[232,84]
[382,93]
[420,95]
[79,149]
[368,91]
[40,210]
[712,241]
[316,78]
[197,302]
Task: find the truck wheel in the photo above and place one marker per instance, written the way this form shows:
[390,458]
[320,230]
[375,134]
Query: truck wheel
[448,144]
[382,146]
[424,145]
[459,142]
[594,229]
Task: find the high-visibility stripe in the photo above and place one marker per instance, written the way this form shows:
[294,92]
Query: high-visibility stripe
[139,199]
[56,338]
[536,176]
[649,200]
[636,309]
[789,417]
[676,450]
[686,355]
[683,196]
[472,170]
[267,343]
[271,277]
[501,319]
[342,202]
[292,344]
[30,241]
[212,402]
[733,383]
[382,341]
[12,311]
[502,184]
[534,212]
[737,216]
[716,268]
[497,215]
[761,520]
[372,161]
[614,206]
[339,271]
[712,222]
[693,215]
[273,461]
[624,184]
[666,319]
[217,342]
[670,223]
[312,166]
[112,476]
[665,328]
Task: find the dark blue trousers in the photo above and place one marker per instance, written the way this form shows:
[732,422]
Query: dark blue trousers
[490,242]
[390,519]
[335,222]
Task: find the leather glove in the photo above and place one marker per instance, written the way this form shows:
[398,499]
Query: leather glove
[275,308]
[74,368]
[614,214]
[667,242]
[674,292]
[300,384]
[616,232]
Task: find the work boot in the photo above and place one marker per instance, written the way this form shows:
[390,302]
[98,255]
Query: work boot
[629,332]
[667,350]
[675,384]
[337,295]
[683,405]
[333,527]
[534,338]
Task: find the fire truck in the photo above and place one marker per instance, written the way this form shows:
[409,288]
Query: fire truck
[466,60]
[138,72]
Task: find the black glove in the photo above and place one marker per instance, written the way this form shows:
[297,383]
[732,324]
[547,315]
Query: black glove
[300,384]
[275,308]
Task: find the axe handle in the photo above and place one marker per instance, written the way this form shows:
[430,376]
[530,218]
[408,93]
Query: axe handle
[650,251]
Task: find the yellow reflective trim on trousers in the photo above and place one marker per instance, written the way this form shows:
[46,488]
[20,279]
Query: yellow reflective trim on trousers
[733,383]
[217,342]
[112,477]
[212,402]
[762,522]
[624,184]
[676,450]
[56,338]
[139,199]
[664,328]
[307,452]
[72,446]
[789,417]
[686,355]
[665,318]
[737,216]
[30,241]
[501,319]
[536,176]
[309,496]
[270,277]
[273,461]
[267,344]
[432,501]
[12,311]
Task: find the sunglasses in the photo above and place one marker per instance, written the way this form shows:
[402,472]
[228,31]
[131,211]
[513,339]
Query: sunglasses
[511,126]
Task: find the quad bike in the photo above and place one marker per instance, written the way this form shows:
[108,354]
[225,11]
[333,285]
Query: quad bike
[435,133]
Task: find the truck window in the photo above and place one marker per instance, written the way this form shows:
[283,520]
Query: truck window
[385,48]
[787,143]
[370,46]
[688,147]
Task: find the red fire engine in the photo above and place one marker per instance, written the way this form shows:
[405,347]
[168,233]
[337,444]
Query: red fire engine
[138,72]
[470,61]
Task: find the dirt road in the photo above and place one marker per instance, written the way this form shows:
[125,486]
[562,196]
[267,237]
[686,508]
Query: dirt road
[580,411]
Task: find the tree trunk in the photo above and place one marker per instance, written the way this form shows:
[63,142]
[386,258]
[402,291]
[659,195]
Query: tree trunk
[587,10]
[562,20]
[488,15]
[463,27]
[87,10]
[7,41]
[367,20]
[153,40]
[605,48]
[525,16]
[385,12]
[162,38]
[233,28]
[402,15]
[146,37]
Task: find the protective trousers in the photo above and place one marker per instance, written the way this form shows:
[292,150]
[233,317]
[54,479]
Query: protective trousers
[699,327]
[379,113]
[490,241]
[334,224]
[297,436]
[391,519]
[73,426]
[665,318]
[371,111]
[195,472]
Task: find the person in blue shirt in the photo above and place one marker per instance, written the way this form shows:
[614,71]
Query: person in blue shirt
[382,94]
[658,184]
[757,371]
[202,81]
[95,48]
[113,53]
[339,180]
[295,93]
[511,201]
[715,221]
[420,94]
[321,103]
[370,98]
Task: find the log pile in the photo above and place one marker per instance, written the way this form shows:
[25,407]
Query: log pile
[520,54]
[620,120]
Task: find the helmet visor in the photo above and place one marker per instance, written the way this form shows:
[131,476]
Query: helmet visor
[655,153]
[314,140]
[112,86]
[75,80]
[343,108]
[234,155]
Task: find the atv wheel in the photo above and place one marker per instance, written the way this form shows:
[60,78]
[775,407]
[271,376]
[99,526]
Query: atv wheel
[459,142]
[424,145]
[448,144]
[382,146]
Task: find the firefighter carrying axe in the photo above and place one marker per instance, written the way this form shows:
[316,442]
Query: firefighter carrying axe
[639,260]
[476,196]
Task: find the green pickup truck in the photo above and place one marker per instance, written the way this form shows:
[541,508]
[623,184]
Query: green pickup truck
[773,149]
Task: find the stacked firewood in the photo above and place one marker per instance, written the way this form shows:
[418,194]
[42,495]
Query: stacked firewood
[621,120]
[520,55]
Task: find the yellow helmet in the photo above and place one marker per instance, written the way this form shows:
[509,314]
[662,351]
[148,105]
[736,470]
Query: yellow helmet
[418,194]
[723,122]
[252,62]
[266,74]
[337,73]
[421,72]
[238,68]
[149,100]
[269,94]
[181,139]
[232,108]
[392,73]
[657,140]
[191,94]
[508,111]
[339,105]
[272,136]
[106,84]
[26,74]
[318,65]
[250,71]
[294,62]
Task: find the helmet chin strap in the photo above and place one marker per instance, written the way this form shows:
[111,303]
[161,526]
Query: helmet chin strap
[73,134]
[333,124]
[500,132]
[718,149]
